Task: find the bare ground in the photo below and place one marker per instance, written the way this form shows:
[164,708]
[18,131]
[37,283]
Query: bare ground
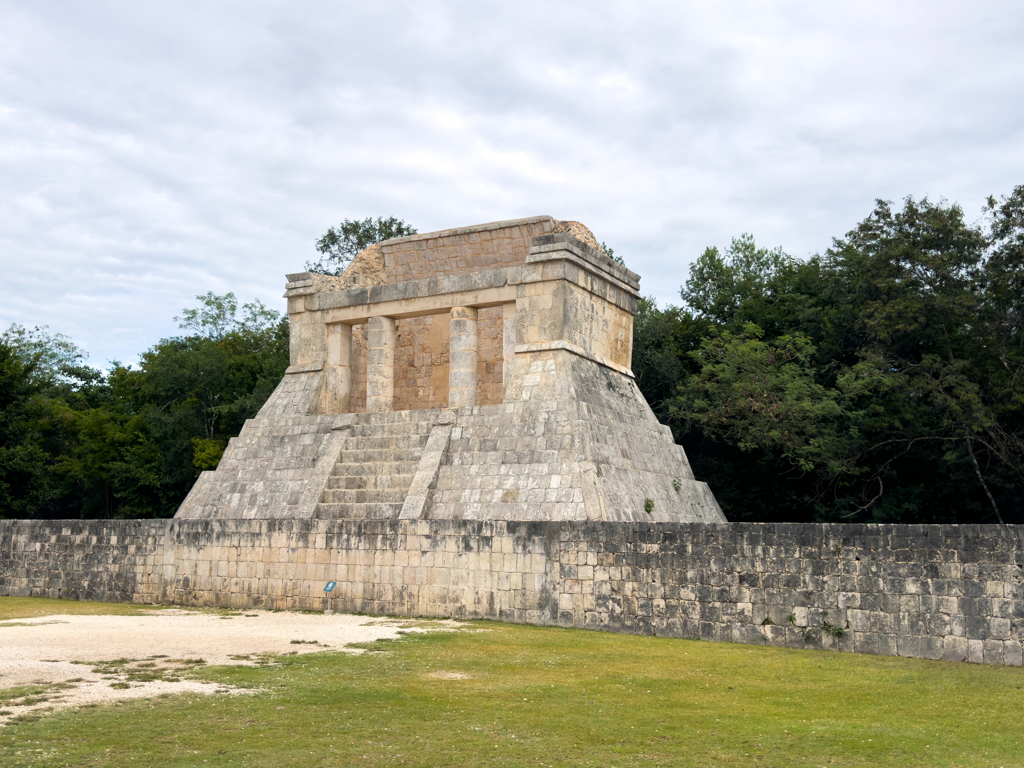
[65,660]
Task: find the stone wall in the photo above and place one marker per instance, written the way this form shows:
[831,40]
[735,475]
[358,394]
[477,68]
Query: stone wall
[113,560]
[421,362]
[463,250]
[357,397]
[939,592]
[557,287]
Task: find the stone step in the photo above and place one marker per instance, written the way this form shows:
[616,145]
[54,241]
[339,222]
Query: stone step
[492,445]
[370,480]
[377,455]
[364,496]
[264,429]
[378,468]
[275,452]
[387,430]
[284,422]
[360,443]
[270,464]
[617,419]
[458,456]
[358,511]
[396,417]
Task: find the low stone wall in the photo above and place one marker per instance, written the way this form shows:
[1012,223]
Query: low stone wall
[952,592]
[112,560]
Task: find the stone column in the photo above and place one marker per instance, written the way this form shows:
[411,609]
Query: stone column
[462,375]
[508,341]
[380,364]
[338,373]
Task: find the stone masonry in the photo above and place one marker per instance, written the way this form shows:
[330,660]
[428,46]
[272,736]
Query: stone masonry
[923,591]
[480,373]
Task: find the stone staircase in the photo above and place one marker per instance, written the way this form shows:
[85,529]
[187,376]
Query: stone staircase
[375,468]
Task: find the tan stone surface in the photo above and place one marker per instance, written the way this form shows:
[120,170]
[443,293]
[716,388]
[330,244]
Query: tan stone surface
[423,256]
[920,591]
[580,232]
[421,362]
[380,364]
[366,269]
[357,393]
[490,373]
[462,357]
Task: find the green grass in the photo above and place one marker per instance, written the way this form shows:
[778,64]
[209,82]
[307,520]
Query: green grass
[31,607]
[506,695]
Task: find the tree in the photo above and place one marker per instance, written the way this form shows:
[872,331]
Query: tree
[930,318]
[880,382]
[40,372]
[195,392]
[25,482]
[76,443]
[215,317]
[55,361]
[721,288]
[766,396]
[662,342]
[339,245]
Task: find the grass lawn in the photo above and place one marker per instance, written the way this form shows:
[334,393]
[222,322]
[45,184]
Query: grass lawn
[32,607]
[507,695]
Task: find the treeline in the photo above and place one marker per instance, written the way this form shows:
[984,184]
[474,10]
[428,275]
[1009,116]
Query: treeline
[880,382]
[75,443]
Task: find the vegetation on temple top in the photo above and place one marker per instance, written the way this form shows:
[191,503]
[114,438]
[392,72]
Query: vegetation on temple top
[339,245]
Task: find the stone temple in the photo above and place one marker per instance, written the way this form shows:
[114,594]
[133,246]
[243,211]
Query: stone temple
[479,373]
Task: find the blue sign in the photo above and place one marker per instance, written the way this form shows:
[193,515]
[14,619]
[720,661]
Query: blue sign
[330,586]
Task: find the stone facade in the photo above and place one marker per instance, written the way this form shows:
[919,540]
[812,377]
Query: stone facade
[935,592]
[507,346]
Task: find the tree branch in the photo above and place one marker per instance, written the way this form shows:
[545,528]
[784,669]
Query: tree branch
[977,471]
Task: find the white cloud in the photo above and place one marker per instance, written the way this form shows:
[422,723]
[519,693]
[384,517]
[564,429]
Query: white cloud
[153,151]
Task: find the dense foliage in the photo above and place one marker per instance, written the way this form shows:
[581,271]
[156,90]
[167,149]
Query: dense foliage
[880,382]
[75,443]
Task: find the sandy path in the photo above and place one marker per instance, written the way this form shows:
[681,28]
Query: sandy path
[42,650]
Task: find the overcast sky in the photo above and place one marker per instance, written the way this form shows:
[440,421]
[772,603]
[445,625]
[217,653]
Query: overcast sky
[152,151]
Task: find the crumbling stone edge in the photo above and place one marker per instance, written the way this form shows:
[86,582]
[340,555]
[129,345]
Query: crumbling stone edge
[935,592]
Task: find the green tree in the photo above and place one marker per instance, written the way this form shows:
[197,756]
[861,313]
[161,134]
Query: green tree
[662,342]
[879,382]
[195,392]
[339,245]
[732,288]
[25,482]
[921,303]
[76,443]
[767,397]
[57,364]
[42,373]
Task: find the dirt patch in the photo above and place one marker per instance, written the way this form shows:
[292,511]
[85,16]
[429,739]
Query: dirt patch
[60,661]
